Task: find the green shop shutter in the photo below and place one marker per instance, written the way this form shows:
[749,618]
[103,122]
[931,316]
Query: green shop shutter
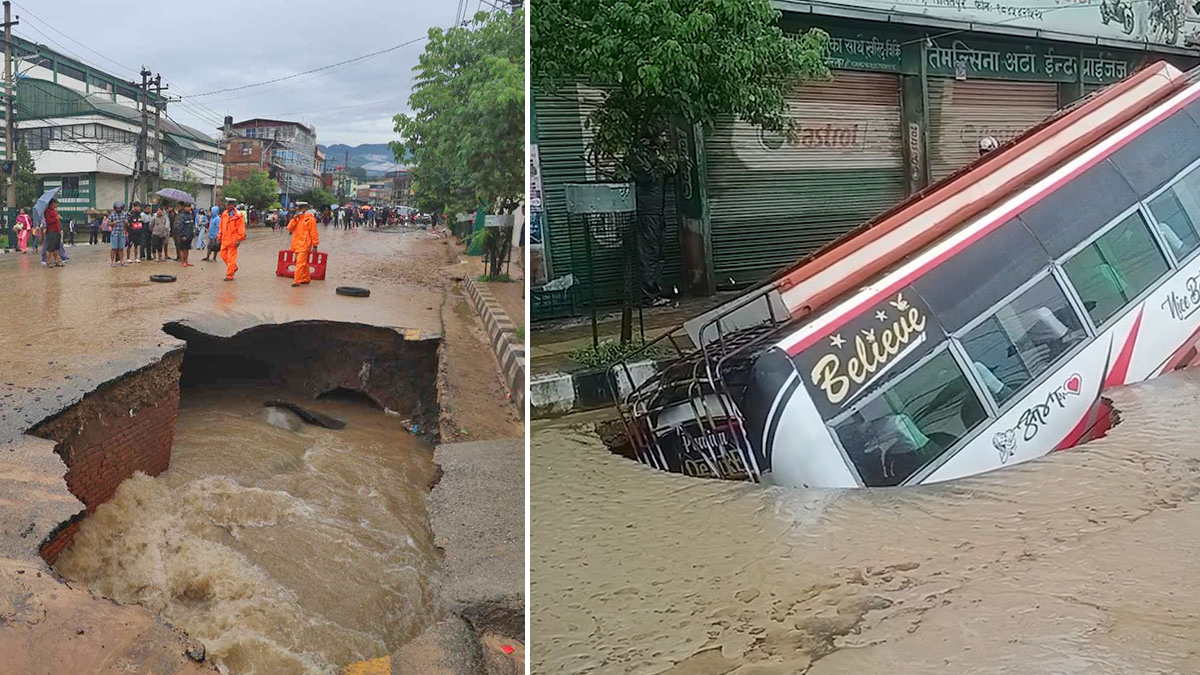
[963,111]
[773,201]
[562,140]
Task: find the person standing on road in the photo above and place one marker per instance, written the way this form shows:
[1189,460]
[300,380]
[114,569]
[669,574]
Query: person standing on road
[305,238]
[94,229]
[117,221]
[185,227]
[173,214]
[214,235]
[133,232]
[200,242]
[160,228]
[53,234]
[147,231]
[233,232]
[24,228]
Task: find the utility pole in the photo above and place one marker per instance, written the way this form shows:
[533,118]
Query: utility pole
[10,153]
[139,171]
[159,104]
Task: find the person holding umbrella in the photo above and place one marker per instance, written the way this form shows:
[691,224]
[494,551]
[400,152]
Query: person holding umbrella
[305,238]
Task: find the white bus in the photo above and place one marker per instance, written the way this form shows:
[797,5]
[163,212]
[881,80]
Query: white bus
[974,327]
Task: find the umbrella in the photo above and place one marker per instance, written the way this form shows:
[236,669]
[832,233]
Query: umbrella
[177,195]
[39,209]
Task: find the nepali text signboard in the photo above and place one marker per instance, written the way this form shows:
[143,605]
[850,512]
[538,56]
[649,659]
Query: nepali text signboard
[1172,23]
[950,56]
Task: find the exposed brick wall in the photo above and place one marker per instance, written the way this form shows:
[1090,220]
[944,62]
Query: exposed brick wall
[138,443]
[102,444]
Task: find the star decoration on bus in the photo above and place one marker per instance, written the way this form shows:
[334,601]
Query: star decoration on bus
[882,316]
[837,341]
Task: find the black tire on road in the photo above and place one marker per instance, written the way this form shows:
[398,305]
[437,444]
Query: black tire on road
[353,291]
[162,278]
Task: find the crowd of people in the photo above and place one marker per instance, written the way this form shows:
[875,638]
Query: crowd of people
[152,232]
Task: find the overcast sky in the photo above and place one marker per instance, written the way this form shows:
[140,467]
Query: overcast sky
[202,46]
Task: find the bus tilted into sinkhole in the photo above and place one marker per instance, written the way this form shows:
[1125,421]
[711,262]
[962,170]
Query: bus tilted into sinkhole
[974,326]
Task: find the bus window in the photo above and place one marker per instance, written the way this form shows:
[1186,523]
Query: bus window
[1176,212]
[1111,271]
[916,418]
[1022,338]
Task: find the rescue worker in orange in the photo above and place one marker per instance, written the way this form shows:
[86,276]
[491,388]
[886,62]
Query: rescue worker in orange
[233,232]
[303,227]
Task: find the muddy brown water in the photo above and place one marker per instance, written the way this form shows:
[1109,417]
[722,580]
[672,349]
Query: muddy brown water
[286,551]
[1081,562]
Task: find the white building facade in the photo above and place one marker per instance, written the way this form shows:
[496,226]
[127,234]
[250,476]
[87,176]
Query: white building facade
[81,126]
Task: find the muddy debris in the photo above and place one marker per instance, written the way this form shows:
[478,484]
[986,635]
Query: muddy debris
[311,416]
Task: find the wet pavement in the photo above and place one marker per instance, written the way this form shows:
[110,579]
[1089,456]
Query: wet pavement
[1081,562]
[65,331]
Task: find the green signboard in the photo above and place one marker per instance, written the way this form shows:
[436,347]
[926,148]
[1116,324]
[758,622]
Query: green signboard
[857,47]
[864,51]
[965,58]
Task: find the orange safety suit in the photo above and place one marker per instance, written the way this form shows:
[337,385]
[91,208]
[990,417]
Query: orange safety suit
[304,238]
[233,230]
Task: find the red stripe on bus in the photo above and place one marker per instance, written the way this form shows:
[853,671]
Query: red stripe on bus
[1120,369]
[1002,218]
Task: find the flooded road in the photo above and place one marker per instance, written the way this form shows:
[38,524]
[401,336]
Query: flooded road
[1082,562]
[284,550]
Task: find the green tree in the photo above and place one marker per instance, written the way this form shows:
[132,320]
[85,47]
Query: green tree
[257,190]
[26,181]
[466,134]
[318,197]
[660,62]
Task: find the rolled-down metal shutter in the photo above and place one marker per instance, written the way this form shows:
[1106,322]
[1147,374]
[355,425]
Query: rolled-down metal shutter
[961,112]
[562,141]
[560,154]
[773,201]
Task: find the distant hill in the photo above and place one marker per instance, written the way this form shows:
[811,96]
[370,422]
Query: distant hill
[375,158]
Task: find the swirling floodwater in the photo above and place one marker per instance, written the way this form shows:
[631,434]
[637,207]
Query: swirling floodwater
[1081,562]
[287,549]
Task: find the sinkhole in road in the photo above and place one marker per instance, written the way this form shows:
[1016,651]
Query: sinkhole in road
[283,546]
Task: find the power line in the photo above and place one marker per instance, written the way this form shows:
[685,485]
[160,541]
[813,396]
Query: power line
[196,108]
[344,107]
[314,70]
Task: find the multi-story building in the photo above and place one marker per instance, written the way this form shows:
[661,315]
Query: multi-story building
[399,182]
[246,155]
[81,126]
[318,164]
[337,180]
[290,153]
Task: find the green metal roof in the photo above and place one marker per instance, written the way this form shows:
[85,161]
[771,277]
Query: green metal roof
[186,143]
[42,100]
